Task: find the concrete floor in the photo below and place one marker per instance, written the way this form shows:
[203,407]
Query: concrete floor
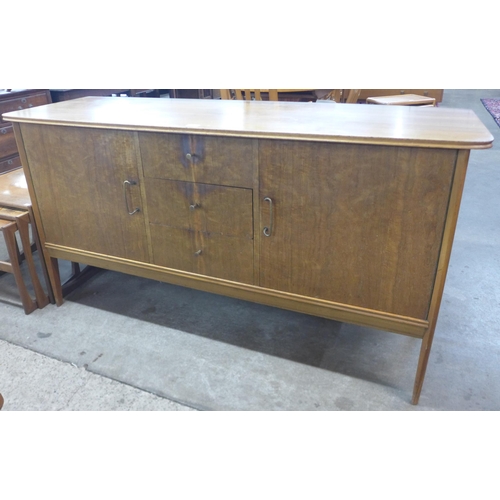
[126,343]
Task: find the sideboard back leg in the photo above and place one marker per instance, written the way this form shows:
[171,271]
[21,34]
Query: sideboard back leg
[55,279]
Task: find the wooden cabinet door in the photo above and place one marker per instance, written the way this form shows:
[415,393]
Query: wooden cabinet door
[354,224]
[78,176]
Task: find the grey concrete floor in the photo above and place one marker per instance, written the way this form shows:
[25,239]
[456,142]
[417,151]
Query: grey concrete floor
[126,343]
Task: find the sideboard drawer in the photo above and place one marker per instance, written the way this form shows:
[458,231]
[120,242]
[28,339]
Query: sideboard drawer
[207,159]
[10,164]
[23,102]
[208,254]
[8,145]
[200,207]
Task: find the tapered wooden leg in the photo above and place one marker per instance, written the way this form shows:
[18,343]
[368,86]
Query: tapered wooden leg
[444,260]
[55,279]
[425,350]
[9,232]
[23,222]
[41,253]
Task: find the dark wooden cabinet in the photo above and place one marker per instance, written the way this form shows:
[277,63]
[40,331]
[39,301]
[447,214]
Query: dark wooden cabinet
[15,100]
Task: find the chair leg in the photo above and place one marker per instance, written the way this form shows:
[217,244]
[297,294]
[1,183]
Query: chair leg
[9,233]
[23,222]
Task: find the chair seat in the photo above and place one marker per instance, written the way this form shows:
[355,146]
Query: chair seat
[402,100]
[14,190]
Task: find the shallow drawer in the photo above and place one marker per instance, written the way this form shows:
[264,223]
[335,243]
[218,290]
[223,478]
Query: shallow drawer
[225,257]
[200,207]
[8,145]
[23,102]
[182,157]
[10,164]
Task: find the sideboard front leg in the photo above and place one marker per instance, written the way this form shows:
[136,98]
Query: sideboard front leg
[425,350]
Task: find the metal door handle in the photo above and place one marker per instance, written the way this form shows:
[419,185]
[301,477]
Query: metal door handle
[125,184]
[269,230]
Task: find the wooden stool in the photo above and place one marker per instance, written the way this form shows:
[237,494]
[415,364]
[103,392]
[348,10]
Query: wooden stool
[10,222]
[14,195]
[402,100]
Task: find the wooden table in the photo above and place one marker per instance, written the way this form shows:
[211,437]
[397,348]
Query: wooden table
[343,211]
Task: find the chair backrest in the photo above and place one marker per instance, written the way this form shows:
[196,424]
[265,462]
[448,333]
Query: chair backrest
[249,94]
[352,95]
[343,95]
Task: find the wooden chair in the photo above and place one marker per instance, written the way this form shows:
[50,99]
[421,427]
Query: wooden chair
[12,221]
[248,95]
[349,96]
[16,217]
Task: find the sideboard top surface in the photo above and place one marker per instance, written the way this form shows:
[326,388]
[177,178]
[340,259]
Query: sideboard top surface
[326,122]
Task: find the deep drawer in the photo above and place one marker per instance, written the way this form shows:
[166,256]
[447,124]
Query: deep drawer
[197,252]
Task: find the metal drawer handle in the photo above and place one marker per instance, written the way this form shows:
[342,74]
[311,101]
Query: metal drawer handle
[125,184]
[269,230]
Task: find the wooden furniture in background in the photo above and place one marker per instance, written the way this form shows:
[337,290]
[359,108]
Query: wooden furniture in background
[11,222]
[191,93]
[346,212]
[402,100]
[299,95]
[435,93]
[349,96]
[58,95]
[11,101]
[249,95]
[16,214]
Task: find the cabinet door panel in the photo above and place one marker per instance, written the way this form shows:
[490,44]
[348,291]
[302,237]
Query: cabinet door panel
[78,177]
[354,224]
[197,252]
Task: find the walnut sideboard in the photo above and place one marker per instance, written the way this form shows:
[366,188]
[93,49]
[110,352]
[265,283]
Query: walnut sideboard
[345,211]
